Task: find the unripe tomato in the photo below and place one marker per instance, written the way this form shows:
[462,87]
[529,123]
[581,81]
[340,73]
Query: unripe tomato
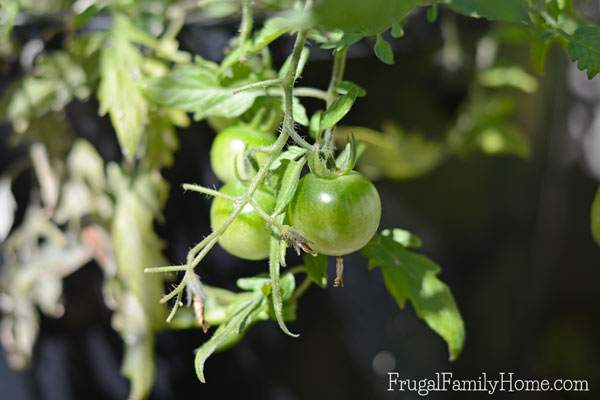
[248,236]
[229,146]
[337,215]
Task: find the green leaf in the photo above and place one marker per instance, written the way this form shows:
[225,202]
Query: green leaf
[316,269]
[55,80]
[584,48]
[139,367]
[271,30]
[288,185]
[299,112]
[404,237]
[338,109]
[411,276]
[362,17]
[135,244]
[161,141]
[245,313]
[120,90]
[509,76]
[274,270]
[196,88]
[595,217]
[291,153]
[383,50]
[397,31]
[516,11]
[486,126]
[301,63]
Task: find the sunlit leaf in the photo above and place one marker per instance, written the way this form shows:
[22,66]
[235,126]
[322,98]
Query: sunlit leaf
[120,90]
[411,276]
[196,88]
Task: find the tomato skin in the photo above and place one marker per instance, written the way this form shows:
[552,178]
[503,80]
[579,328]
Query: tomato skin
[248,235]
[229,145]
[337,215]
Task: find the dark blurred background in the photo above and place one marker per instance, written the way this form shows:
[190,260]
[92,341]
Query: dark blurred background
[511,235]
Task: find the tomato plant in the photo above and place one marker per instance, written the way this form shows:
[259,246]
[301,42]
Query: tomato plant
[294,177]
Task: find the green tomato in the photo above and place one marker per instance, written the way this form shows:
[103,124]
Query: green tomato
[229,146]
[248,236]
[336,215]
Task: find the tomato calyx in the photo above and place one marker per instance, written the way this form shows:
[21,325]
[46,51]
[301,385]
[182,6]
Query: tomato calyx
[323,163]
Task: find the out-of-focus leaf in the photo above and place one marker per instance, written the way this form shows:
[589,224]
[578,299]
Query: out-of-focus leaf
[485,126]
[271,30]
[196,88]
[55,80]
[362,17]
[8,206]
[120,90]
[595,217]
[411,276]
[161,142]
[85,164]
[515,11]
[404,237]
[316,269]
[511,76]
[383,50]
[584,48]
[394,153]
[10,9]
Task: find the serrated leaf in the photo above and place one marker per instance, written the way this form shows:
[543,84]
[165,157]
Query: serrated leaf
[338,109]
[595,217]
[584,48]
[516,11]
[411,276]
[404,237]
[196,88]
[120,91]
[316,269]
[383,50]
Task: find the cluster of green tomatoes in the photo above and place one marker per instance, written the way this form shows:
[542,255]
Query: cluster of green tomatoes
[336,214]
